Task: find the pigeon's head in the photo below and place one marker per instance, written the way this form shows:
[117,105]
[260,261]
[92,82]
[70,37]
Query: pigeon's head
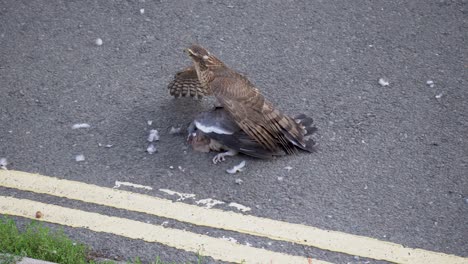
[202,57]
[192,132]
[197,139]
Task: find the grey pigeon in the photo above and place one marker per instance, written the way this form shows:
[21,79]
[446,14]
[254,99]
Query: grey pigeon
[215,130]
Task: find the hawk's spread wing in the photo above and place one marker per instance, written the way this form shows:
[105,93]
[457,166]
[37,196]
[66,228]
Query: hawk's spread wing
[186,83]
[256,116]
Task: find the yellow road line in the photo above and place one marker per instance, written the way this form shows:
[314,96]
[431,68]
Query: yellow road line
[214,247]
[278,230]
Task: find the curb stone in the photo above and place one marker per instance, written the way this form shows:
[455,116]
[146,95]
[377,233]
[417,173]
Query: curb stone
[21,260]
[33,261]
[26,260]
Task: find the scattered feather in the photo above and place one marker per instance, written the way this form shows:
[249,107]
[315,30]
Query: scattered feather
[438,96]
[79,157]
[288,168]
[384,82]
[430,83]
[239,167]
[81,125]
[149,122]
[153,135]
[3,163]
[98,42]
[151,149]
[142,11]
[175,130]
[239,181]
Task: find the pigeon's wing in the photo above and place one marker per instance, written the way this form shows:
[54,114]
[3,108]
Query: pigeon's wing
[256,116]
[186,83]
[218,125]
[243,143]
[216,121]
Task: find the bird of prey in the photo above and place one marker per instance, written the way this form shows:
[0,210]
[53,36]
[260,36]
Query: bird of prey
[246,106]
[215,130]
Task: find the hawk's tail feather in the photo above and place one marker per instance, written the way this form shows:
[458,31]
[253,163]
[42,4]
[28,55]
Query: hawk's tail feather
[309,146]
[308,128]
[310,131]
[307,123]
[286,129]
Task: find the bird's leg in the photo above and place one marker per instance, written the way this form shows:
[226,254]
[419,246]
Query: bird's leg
[221,156]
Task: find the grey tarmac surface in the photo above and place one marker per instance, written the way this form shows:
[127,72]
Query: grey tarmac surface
[391,161]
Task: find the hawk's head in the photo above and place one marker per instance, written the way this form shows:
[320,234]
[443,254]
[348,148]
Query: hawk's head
[202,57]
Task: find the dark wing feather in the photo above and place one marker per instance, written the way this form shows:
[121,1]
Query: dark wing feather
[255,115]
[186,83]
[242,143]
[236,139]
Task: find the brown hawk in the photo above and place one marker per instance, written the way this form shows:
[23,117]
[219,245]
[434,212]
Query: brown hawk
[246,106]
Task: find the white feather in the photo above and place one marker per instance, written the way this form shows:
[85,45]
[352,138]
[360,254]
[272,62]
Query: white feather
[212,129]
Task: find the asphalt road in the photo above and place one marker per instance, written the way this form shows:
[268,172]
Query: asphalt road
[391,161]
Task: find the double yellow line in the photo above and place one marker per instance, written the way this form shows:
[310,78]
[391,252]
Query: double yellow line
[214,247]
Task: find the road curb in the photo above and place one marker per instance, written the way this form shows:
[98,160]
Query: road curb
[23,260]
[33,261]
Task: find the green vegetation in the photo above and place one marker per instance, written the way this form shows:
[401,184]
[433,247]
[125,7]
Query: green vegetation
[39,242]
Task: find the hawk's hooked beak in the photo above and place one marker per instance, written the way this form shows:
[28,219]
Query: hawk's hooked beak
[189,52]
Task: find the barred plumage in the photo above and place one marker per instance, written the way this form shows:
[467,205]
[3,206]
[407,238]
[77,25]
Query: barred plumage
[247,107]
[185,83]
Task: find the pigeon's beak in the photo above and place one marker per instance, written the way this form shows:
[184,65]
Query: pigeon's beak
[191,137]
